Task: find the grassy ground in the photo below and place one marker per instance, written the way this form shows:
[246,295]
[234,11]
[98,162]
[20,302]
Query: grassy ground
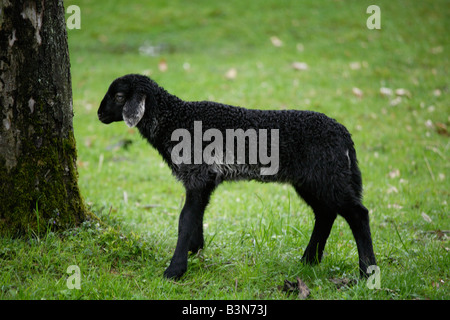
[242,53]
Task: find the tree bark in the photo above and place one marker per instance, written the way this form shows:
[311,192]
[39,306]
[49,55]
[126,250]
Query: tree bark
[38,173]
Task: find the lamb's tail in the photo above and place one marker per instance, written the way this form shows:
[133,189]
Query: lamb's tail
[356,180]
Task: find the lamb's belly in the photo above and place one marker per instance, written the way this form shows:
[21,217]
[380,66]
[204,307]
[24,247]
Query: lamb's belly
[234,172]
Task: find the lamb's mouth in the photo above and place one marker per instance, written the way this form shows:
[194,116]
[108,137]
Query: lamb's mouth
[105,119]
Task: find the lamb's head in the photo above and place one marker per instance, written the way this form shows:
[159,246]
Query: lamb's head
[126,100]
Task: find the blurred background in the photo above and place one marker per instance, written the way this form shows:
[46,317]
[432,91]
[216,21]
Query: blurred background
[388,86]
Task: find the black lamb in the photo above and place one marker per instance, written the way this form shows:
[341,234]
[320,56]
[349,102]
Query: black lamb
[310,151]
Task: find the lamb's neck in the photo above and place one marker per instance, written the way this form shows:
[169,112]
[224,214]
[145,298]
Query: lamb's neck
[158,124]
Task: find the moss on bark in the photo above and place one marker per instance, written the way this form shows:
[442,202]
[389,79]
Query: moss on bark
[38,174]
[42,192]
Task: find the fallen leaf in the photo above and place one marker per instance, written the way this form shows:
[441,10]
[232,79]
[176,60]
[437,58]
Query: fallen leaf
[87,106]
[88,142]
[162,65]
[402,92]
[395,173]
[342,282]
[394,206]
[426,217]
[392,189]
[357,92]
[355,65]
[437,283]
[441,129]
[152,50]
[395,101]
[276,41]
[386,91]
[289,286]
[303,289]
[440,235]
[82,164]
[186,66]
[299,286]
[301,66]
[231,74]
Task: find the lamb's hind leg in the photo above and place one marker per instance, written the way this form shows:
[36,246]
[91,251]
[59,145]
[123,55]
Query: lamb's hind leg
[357,217]
[322,227]
[324,219]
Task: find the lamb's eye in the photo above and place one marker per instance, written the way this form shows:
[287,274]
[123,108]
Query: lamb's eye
[119,97]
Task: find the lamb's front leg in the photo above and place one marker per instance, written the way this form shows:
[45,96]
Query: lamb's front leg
[190,230]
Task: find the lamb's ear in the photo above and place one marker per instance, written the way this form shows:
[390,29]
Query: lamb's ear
[134,109]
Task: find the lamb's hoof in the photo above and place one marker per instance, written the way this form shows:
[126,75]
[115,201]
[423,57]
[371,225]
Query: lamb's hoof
[174,273]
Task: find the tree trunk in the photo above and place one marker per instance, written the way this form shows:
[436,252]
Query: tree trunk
[38,173]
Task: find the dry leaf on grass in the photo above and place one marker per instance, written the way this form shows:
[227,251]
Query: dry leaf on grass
[426,217]
[392,189]
[395,102]
[231,74]
[301,66]
[429,124]
[162,65]
[357,92]
[395,173]
[386,91]
[298,286]
[276,41]
[342,282]
[436,284]
[394,206]
[441,235]
[441,129]
[403,92]
[355,65]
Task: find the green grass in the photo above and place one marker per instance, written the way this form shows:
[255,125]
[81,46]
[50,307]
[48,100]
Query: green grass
[255,233]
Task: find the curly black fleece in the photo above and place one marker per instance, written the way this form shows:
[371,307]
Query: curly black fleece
[316,156]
